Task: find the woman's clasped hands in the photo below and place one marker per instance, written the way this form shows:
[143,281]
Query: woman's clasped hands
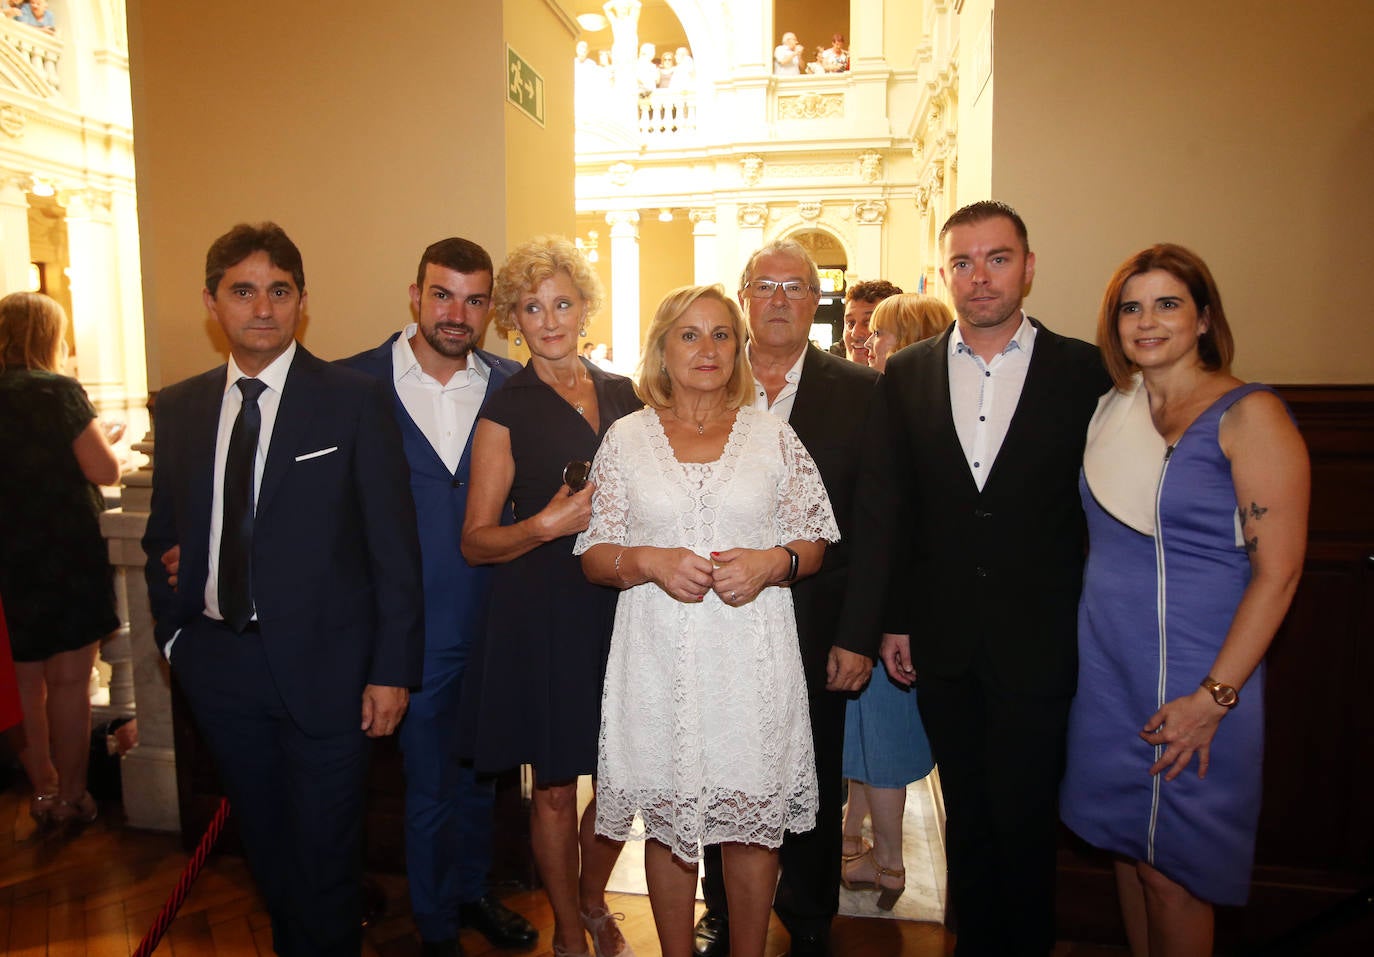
[736,575]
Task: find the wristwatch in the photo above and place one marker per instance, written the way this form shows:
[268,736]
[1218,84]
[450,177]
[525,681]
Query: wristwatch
[1224,695]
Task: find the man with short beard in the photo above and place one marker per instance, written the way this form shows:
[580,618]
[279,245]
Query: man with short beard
[439,379]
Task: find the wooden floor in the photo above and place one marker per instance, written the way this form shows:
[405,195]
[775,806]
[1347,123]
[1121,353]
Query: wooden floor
[96,893]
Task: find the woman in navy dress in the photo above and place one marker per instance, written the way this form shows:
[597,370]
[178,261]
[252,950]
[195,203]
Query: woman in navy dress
[533,694]
[1196,487]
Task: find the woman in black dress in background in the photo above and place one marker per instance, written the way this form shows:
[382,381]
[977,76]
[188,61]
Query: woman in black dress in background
[533,694]
[55,577]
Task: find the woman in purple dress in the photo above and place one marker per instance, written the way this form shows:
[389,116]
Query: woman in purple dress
[1196,487]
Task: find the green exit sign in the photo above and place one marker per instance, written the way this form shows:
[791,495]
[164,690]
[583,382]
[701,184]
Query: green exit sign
[524,87]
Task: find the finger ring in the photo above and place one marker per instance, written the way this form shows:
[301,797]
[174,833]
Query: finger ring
[734,595]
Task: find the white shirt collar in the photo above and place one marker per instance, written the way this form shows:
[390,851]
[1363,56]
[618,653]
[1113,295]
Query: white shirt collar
[1022,340]
[274,376]
[404,364]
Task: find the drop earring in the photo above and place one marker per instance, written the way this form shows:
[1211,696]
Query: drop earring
[583,331]
[517,340]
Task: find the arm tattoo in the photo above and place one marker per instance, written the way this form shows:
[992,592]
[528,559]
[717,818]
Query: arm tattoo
[1256,511]
[1252,545]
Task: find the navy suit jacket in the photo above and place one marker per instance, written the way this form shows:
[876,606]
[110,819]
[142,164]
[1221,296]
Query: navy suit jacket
[336,561]
[455,592]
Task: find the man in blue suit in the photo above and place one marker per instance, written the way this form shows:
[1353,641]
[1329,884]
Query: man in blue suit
[438,379]
[294,623]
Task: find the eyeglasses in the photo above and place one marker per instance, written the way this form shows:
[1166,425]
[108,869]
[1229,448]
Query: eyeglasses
[575,475]
[764,288]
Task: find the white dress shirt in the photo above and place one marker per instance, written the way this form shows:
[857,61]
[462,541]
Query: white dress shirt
[983,395]
[444,412]
[274,377]
[787,397]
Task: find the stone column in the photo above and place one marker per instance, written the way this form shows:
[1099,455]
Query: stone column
[15,257]
[705,253]
[94,290]
[148,772]
[869,215]
[625,315]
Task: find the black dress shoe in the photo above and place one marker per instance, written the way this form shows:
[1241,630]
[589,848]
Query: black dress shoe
[498,923]
[441,948]
[712,935]
[810,945]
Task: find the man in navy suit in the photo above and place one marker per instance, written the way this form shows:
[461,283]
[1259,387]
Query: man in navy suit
[438,379]
[294,624]
[972,531]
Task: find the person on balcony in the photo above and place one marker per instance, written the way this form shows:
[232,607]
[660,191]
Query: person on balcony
[55,577]
[834,58]
[685,73]
[37,13]
[646,69]
[788,56]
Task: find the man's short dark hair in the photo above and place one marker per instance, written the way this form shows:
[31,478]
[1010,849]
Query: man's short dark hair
[460,255]
[984,210]
[871,290]
[244,240]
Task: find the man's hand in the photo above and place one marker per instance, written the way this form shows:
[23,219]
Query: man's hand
[383,708]
[171,564]
[846,670]
[896,653]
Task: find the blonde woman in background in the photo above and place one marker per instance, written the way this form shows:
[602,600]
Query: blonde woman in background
[55,577]
[901,320]
[885,746]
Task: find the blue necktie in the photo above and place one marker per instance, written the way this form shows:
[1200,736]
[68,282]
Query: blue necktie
[236,532]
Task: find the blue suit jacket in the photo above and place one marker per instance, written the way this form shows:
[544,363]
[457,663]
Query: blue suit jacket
[455,592]
[336,560]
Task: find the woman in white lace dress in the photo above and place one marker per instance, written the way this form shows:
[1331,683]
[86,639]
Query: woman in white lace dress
[705,510]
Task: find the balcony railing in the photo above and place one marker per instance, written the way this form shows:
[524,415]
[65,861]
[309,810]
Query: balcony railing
[32,57]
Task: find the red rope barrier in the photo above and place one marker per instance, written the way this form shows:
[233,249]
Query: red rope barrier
[188,877]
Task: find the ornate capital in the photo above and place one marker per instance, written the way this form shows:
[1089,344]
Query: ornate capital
[870,212]
[809,211]
[754,214]
[624,223]
[870,166]
[704,214]
[751,166]
[620,173]
[87,201]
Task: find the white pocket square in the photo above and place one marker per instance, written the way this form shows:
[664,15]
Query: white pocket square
[315,455]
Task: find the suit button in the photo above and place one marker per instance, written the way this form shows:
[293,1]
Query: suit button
[980,513]
[457,483]
[981,572]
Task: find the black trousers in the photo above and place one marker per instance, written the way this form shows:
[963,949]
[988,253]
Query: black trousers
[298,800]
[808,894]
[1001,756]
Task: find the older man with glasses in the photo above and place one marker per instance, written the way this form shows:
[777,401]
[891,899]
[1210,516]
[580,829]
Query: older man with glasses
[821,396]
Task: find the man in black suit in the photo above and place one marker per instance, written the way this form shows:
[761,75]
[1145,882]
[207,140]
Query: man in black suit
[969,503]
[825,399]
[295,624]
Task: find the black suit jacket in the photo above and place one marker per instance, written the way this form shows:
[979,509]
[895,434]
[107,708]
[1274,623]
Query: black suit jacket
[984,579]
[336,562]
[832,403]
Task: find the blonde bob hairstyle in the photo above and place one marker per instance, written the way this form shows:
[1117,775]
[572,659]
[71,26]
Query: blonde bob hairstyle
[31,330]
[910,317]
[651,380]
[532,262]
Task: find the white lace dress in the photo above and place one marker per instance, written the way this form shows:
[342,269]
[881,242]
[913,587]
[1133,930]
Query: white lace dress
[705,731]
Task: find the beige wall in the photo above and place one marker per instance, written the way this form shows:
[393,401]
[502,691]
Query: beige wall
[1243,131]
[366,137]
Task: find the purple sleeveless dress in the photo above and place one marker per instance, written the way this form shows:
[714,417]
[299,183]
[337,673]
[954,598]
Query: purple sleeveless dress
[1153,614]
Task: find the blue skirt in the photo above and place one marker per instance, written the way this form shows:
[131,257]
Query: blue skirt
[885,743]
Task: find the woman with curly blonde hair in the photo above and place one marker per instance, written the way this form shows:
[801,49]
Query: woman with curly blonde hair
[533,692]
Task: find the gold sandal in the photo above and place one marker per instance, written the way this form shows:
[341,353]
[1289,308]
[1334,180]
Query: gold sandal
[887,896]
[41,807]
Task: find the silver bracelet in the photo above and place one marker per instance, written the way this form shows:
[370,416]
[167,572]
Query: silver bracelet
[618,555]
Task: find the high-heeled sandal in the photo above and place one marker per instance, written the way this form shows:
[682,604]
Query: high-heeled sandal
[853,857]
[887,895]
[82,811]
[41,807]
[602,919]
